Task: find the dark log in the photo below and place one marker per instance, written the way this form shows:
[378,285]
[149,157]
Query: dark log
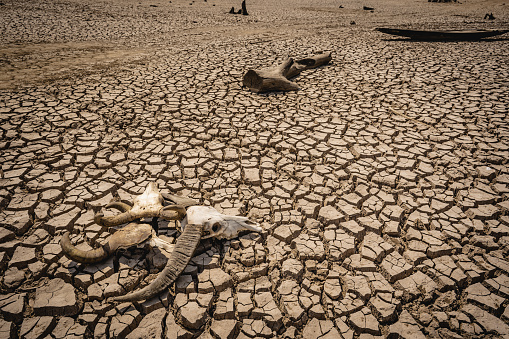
[276,78]
[244,9]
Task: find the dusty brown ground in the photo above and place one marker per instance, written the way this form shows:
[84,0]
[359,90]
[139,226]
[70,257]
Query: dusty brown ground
[381,185]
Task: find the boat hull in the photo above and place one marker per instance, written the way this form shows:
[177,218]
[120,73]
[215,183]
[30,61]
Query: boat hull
[442,35]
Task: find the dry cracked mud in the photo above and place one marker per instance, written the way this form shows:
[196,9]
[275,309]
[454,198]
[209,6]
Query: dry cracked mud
[382,185]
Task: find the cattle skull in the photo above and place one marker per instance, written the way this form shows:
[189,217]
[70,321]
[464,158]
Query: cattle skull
[197,222]
[200,222]
[134,234]
[149,204]
[217,225]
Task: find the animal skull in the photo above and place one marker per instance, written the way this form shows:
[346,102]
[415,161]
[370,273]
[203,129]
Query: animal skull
[217,225]
[134,234]
[198,222]
[149,204]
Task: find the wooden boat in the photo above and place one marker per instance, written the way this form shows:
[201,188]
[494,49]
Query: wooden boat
[443,35]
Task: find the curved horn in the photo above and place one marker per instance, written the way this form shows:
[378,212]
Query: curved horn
[118,205]
[85,257]
[178,200]
[179,258]
[173,212]
[114,220]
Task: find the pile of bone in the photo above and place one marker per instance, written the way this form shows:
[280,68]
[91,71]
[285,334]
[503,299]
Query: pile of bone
[197,222]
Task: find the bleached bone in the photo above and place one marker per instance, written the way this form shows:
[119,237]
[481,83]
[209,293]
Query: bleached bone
[155,241]
[148,204]
[217,225]
[200,222]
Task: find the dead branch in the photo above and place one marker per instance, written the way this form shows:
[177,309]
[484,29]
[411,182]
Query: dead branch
[276,78]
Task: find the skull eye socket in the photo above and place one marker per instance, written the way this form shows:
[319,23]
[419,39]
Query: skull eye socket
[216,227]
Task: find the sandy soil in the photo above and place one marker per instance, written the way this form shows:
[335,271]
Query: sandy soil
[43,41]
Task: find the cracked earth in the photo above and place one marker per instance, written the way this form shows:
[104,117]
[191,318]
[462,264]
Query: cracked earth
[381,185]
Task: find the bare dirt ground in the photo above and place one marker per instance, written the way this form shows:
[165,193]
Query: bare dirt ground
[381,185]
